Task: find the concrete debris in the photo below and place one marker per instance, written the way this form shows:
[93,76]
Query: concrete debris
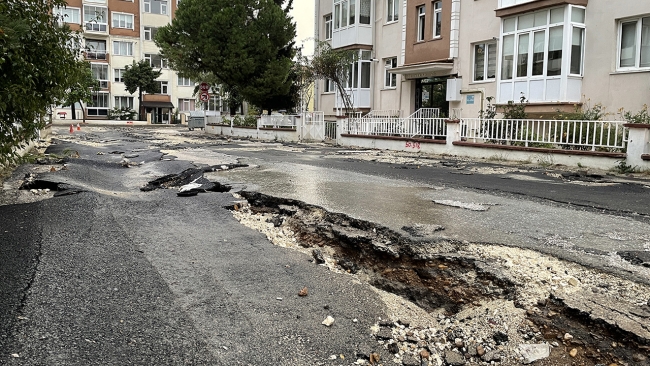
[303,292]
[328,321]
[534,352]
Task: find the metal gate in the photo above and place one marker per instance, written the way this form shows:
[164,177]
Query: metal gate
[313,126]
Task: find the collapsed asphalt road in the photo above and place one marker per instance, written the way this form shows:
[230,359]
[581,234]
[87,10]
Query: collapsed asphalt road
[116,275]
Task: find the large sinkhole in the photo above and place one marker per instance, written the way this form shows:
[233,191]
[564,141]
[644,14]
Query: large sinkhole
[436,275]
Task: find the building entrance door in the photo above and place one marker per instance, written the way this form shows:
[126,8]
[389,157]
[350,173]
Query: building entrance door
[432,93]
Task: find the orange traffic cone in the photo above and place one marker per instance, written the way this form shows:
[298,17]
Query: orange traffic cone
[71,129]
[78,127]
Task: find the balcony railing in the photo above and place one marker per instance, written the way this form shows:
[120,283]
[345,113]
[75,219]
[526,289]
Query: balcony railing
[96,27]
[96,55]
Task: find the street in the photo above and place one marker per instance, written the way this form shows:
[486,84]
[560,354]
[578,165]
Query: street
[426,260]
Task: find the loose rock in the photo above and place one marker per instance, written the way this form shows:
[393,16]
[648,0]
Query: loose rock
[328,321]
[534,352]
[573,352]
[454,358]
[409,360]
[303,292]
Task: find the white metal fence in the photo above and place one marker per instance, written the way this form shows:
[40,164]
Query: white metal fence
[424,123]
[578,135]
[278,121]
[313,126]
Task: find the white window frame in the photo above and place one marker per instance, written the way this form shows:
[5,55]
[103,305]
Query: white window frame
[118,75]
[390,78]
[421,13]
[392,11]
[117,48]
[328,27]
[96,25]
[149,33]
[146,6]
[94,110]
[95,54]
[328,86]
[437,19]
[103,83]
[164,87]
[118,102]
[183,81]
[122,20]
[67,14]
[487,46]
[356,72]
[186,105]
[637,46]
[163,62]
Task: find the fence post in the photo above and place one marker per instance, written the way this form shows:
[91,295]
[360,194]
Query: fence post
[637,143]
[453,132]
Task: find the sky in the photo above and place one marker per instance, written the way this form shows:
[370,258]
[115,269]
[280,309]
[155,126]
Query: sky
[303,15]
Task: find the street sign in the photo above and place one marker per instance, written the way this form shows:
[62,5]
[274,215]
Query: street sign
[204,97]
[204,87]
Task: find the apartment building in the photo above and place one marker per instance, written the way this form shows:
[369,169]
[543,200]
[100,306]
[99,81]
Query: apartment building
[451,55]
[117,33]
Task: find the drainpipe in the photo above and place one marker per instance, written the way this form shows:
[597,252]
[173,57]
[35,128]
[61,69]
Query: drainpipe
[316,40]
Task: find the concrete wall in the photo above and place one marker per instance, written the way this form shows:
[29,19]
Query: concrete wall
[602,83]
[253,133]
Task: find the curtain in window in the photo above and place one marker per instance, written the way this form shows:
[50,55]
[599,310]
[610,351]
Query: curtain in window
[344,17]
[364,13]
[353,6]
[522,55]
[507,63]
[492,61]
[645,43]
[390,11]
[554,66]
[576,50]
[479,62]
[628,44]
[539,42]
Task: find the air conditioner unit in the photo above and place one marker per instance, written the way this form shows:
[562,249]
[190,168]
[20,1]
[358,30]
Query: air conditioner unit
[453,89]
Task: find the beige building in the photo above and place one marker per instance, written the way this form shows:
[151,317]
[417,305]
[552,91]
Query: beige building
[451,54]
[117,33]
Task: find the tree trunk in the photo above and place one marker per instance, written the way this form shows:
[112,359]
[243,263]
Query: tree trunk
[73,112]
[83,113]
[140,106]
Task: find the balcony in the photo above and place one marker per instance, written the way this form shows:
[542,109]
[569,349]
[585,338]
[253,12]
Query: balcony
[96,27]
[352,21]
[97,55]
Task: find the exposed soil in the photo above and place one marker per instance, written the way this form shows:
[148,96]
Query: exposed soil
[475,300]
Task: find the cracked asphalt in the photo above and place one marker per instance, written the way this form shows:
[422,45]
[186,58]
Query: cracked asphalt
[116,276]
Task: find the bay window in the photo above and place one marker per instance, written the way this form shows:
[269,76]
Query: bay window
[100,73]
[634,44]
[540,52]
[98,105]
[95,18]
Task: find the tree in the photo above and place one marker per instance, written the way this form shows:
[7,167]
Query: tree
[84,85]
[248,45]
[141,77]
[38,53]
[334,65]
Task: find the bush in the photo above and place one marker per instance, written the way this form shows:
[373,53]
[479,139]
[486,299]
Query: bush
[121,113]
[641,116]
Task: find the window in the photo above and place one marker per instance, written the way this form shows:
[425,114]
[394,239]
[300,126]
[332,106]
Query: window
[118,75]
[122,20]
[186,105]
[163,86]
[359,72]
[98,105]
[155,60]
[337,16]
[95,49]
[485,61]
[353,8]
[437,19]
[329,86]
[392,11]
[633,44]
[390,79]
[100,72]
[214,103]
[328,26]
[150,33]
[364,12]
[121,48]
[69,15]
[155,6]
[95,18]
[124,102]
[421,12]
[534,44]
[185,81]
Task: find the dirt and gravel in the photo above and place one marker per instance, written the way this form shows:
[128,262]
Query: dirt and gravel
[459,303]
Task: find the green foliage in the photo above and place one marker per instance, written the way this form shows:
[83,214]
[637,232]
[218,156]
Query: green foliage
[247,45]
[244,121]
[641,116]
[332,64]
[490,110]
[38,66]
[123,113]
[514,110]
[141,77]
[584,113]
[623,168]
